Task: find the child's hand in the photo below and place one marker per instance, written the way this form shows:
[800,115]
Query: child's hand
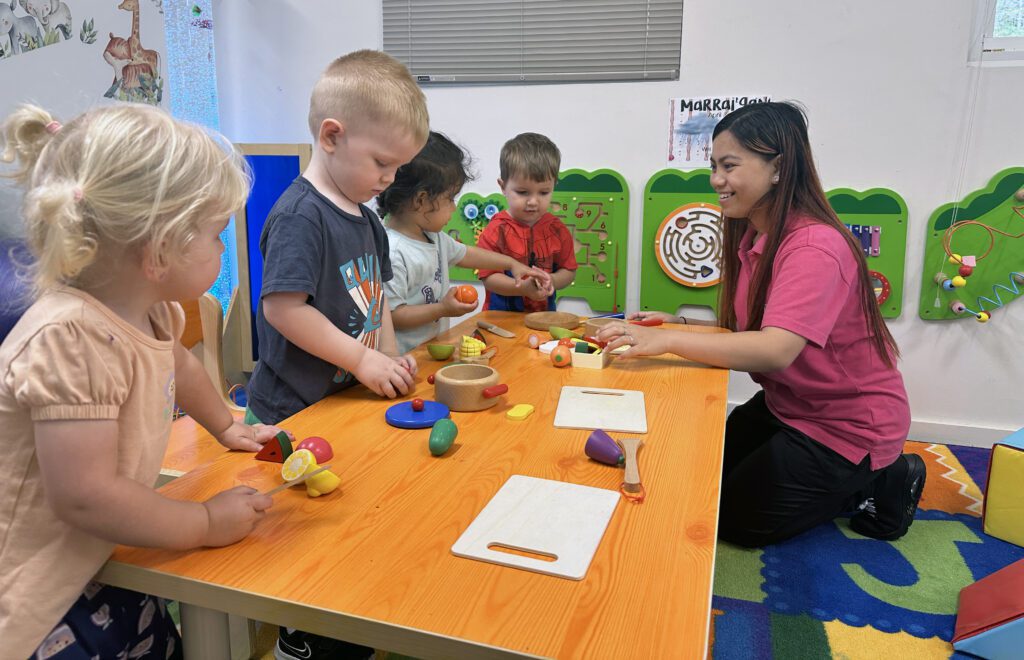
[384,375]
[535,290]
[450,306]
[232,514]
[249,438]
[644,316]
[407,361]
[641,340]
[521,272]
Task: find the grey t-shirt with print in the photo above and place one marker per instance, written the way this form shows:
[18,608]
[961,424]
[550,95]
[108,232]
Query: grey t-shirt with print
[340,261]
[420,276]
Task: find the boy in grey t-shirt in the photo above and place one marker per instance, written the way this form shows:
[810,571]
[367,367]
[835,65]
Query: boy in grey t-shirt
[417,206]
[322,321]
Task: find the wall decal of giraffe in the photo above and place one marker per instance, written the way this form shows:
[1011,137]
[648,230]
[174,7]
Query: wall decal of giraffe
[136,68]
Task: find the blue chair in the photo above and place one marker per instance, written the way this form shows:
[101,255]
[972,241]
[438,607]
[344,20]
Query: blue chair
[14,298]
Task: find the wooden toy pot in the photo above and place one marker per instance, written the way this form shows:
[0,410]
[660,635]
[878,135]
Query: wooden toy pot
[467,387]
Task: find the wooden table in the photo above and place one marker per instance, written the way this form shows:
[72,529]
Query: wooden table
[371,562]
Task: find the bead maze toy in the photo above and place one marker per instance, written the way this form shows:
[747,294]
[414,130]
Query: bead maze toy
[682,240]
[594,205]
[974,255]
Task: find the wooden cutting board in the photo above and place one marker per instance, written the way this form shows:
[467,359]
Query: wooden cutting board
[563,522]
[601,408]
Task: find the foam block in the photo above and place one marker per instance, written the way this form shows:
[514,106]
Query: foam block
[1004,491]
[990,618]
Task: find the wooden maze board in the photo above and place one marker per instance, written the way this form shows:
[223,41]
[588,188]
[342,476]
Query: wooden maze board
[993,282]
[682,240]
[595,207]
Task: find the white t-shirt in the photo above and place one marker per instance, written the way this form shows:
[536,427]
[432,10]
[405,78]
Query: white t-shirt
[420,276]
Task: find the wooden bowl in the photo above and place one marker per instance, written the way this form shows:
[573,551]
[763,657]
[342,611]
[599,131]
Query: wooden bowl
[544,320]
[461,387]
[592,326]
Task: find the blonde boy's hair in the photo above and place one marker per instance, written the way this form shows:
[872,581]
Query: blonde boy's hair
[530,155]
[368,87]
[117,178]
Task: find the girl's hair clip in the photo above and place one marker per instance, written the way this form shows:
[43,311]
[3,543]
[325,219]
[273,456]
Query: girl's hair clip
[77,193]
[54,127]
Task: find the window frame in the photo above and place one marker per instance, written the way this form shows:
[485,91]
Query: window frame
[538,66]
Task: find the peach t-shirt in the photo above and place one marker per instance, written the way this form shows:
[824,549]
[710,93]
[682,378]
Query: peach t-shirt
[71,358]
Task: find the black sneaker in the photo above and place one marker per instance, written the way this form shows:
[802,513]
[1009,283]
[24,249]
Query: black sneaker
[294,644]
[888,515]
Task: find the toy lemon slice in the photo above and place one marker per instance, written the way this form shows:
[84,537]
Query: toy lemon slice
[302,462]
[297,464]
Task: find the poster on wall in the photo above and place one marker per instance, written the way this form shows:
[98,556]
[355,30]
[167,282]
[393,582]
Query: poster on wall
[691,121]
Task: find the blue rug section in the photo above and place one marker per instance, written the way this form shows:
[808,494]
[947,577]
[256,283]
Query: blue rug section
[749,630]
[903,585]
[975,461]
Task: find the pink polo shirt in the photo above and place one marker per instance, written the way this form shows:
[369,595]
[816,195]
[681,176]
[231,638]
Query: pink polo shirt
[838,391]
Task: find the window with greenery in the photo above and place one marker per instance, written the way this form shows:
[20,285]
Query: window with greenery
[1004,30]
[531,41]
[1009,19]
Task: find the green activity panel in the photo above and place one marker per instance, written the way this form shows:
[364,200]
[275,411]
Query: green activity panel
[471,215]
[878,219]
[595,207]
[682,240]
[974,255]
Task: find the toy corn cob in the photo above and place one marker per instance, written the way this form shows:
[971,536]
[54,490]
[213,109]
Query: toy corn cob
[471,347]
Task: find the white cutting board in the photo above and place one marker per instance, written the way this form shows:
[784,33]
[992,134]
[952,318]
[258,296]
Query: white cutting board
[554,518]
[601,408]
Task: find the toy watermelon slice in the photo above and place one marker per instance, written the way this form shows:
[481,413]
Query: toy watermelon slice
[276,450]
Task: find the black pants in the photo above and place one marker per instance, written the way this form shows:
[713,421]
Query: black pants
[778,482]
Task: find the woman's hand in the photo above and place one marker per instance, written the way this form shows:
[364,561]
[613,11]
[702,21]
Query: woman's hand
[642,341]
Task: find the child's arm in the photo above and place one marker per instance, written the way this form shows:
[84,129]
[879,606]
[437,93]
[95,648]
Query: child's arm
[503,285]
[389,345]
[758,351]
[477,257]
[413,316]
[78,464]
[196,395]
[562,278]
[306,327]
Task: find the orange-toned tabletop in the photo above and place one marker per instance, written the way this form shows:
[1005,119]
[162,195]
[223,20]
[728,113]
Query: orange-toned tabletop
[371,562]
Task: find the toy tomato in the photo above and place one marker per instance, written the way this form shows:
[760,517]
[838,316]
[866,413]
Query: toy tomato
[320,448]
[465,293]
[561,356]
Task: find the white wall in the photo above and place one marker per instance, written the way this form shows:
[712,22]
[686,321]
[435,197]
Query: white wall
[886,85]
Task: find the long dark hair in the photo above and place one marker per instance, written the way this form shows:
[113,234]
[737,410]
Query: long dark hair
[440,167]
[780,130]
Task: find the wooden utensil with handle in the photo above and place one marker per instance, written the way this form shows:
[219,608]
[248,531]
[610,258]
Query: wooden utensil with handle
[631,482]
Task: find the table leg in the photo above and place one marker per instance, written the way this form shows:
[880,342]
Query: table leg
[204,633]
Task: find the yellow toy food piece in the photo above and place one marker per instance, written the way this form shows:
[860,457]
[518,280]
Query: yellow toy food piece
[301,462]
[298,464]
[321,484]
[520,411]
[471,347]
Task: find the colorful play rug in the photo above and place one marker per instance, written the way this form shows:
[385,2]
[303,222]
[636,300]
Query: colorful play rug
[830,593]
